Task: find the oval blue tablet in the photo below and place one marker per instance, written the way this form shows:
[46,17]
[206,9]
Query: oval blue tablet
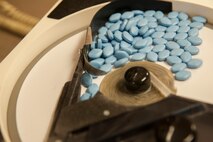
[86,79]
[110,60]
[171,60]
[159,14]
[123,25]
[183,16]
[183,42]
[148,33]
[176,52]
[121,62]
[197,25]
[92,89]
[158,48]
[143,30]
[193,32]
[172,45]
[118,36]
[194,63]
[194,40]
[152,56]
[142,22]
[85,96]
[149,13]
[169,36]
[162,55]
[115,17]
[97,62]
[178,67]
[140,44]
[185,57]
[184,23]
[180,36]
[146,49]
[158,34]
[127,15]
[173,14]
[183,75]
[121,54]
[200,19]
[108,51]
[138,57]
[172,28]
[95,53]
[102,30]
[127,37]
[192,50]
[115,27]
[134,31]
[160,28]
[165,22]
[157,41]
[106,67]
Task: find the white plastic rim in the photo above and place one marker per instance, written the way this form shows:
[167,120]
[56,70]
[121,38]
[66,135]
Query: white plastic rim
[31,48]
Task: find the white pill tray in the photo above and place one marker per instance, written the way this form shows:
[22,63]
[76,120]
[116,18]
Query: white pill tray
[33,74]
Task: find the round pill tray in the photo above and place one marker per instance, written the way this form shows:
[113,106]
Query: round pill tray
[33,74]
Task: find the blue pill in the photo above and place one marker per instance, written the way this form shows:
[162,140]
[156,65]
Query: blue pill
[194,63]
[151,19]
[115,17]
[106,67]
[121,54]
[140,44]
[97,63]
[134,31]
[184,23]
[158,14]
[106,44]
[183,42]
[200,19]
[172,45]
[160,28]
[178,67]
[194,40]
[176,52]
[137,18]
[175,21]
[185,57]
[152,56]
[149,13]
[157,41]
[148,33]
[149,41]
[117,47]
[127,48]
[110,35]
[138,12]
[165,22]
[193,50]
[183,29]
[103,38]
[114,42]
[102,30]
[142,22]
[108,51]
[193,32]
[169,36]
[110,60]
[135,40]
[121,62]
[162,55]
[173,14]
[138,57]
[146,49]
[197,25]
[95,53]
[180,36]
[92,89]
[158,34]
[118,36]
[127,15]
[152,25]
[183,16]
[123,25]
[86,79]
[85,96]
[172,28]
[108,24]
[143,30]
[130,23]
[127,37]
[115,27]
[158,48]
[183,75]
[171,60]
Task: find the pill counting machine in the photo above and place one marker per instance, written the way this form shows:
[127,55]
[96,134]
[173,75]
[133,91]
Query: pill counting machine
[33,75]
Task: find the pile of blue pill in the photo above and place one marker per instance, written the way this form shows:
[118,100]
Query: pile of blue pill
[146,35]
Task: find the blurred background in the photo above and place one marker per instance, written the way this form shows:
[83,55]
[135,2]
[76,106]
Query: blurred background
[17,18]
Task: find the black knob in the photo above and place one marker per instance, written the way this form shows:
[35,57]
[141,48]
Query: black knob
[137,79]
[176,129]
